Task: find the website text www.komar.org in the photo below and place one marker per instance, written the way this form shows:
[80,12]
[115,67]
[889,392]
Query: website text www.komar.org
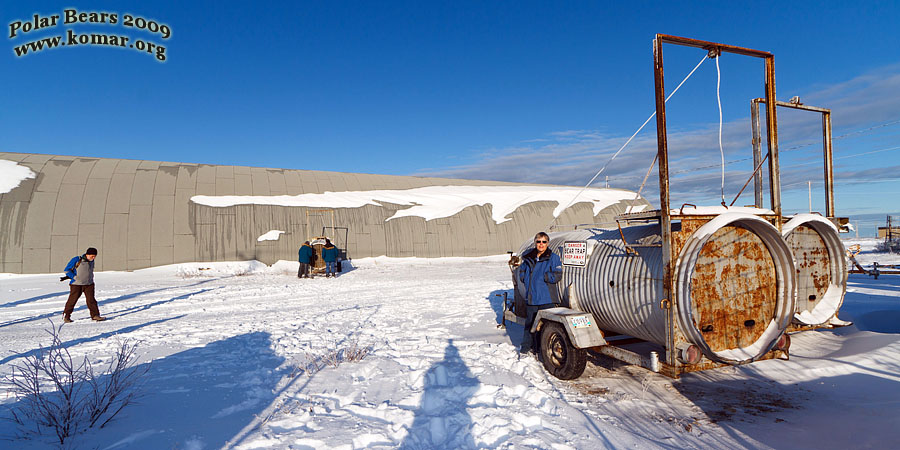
[73,38]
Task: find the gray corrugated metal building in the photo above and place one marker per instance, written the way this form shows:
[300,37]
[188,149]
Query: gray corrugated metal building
[140,214]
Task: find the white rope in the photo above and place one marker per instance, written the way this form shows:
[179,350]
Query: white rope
[647,175]
[719,101]
[629,140]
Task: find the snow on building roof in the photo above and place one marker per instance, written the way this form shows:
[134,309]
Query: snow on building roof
[12,175]
[435,202]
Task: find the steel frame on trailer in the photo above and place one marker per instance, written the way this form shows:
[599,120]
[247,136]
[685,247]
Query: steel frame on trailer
[826,144]
[665,216]
[671,365]
[828,157]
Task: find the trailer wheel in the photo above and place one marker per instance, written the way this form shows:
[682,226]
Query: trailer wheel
[560,357]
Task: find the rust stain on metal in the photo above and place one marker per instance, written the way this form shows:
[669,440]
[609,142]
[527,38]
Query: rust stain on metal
[688,226]
[813,266]
[733,289]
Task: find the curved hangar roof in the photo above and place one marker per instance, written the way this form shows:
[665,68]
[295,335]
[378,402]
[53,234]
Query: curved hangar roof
[149,213]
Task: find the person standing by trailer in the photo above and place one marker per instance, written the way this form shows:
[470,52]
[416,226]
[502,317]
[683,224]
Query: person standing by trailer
[80,270]
[539,271]
[305,256]
[329,255]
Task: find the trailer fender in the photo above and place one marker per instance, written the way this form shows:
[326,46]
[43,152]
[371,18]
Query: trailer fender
[580,326]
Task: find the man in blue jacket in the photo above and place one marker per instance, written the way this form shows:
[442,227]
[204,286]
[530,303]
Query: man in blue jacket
[80,270]
[329,255]
[540,270]
[305,257]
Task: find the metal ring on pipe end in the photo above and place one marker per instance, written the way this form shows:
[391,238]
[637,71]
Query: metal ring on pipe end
[828,306]
[689,354]
[786,287]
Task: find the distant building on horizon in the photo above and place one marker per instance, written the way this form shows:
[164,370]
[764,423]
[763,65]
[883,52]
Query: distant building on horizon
[893,231]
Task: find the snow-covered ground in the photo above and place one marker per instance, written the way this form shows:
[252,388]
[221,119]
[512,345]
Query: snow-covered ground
[230,345]
[868,255]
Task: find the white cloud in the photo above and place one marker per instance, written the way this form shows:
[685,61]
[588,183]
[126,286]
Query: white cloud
[572,157]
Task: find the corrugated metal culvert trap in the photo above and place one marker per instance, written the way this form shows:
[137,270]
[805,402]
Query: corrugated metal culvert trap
[735,277]
[619,289]
[821,268]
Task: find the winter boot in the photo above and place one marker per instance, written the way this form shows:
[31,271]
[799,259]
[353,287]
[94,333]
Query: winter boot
[67,319]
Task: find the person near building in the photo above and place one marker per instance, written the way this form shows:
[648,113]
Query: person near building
[330,255]
[305,256]
[540,270]
[80,270]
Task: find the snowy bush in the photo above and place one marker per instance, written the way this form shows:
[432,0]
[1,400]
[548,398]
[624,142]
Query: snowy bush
[892,246]
[332,357]
[56,395]
[355,352]
[351,352]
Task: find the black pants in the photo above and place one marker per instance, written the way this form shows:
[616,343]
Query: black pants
[75,291]
[527,337]
[304,270]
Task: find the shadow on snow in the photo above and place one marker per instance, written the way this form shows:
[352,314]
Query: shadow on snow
[67,344]
[815,413]
[64,294]
[442,420]
[102,302]
[513,331]
[198,398]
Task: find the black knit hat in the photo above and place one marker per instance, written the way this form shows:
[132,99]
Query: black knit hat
[91,251]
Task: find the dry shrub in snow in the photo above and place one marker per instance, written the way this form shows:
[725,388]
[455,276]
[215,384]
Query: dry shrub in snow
[308,365]
[56,395]
[331,357]
[355,352]
[892,246]
[351,352]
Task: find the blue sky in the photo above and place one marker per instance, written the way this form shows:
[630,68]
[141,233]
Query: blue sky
[520,91]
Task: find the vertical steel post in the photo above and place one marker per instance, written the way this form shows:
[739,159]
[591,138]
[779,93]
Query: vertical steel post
[665,220]
[772,140]
[757,153]
[829,174]
[307,226]
[809,187]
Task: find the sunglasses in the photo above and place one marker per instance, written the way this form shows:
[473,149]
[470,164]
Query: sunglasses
[540,242]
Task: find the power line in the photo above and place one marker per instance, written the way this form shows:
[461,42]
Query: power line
[711,175]
[846,156]
[632,136]
[788,149]
[734,161]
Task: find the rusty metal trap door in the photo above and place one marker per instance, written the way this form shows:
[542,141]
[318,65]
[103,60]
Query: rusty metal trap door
[318,264]
[813,268]
[733,289]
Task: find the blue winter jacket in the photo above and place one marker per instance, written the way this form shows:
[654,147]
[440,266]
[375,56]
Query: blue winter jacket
[305,254]
[329,253]
[70,269]
[538,275]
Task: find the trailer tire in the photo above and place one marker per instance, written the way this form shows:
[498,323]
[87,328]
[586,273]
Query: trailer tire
[559,356]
